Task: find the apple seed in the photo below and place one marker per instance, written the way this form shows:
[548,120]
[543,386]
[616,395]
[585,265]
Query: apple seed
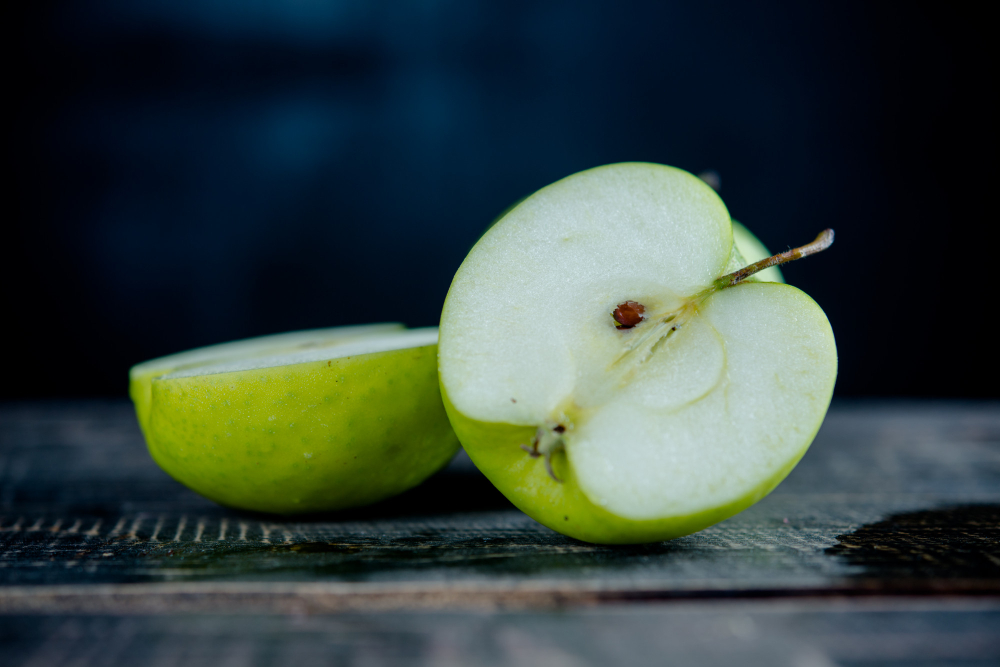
[628,314]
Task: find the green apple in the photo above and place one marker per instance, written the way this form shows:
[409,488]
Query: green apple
[141,375]
[607,369]
[302,422]
[753,250]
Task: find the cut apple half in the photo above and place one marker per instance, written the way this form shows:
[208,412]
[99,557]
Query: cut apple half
[142,375]
[603,374]
[303,422]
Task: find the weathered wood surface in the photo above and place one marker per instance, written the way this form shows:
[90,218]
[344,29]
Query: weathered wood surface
[856,633]
[893,516]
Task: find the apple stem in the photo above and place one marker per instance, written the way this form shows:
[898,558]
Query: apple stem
[822,242]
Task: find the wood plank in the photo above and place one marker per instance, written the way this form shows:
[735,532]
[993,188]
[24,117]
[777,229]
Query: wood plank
[782,633]
[893,498]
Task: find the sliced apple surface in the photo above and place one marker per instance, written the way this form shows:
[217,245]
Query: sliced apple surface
[354,418]
[621,434]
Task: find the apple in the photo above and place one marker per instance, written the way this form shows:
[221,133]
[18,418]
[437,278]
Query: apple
[141,375]
[747,248]
[301,422]
[613,375]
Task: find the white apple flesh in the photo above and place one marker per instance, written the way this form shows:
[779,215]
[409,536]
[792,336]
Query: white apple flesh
[625,435]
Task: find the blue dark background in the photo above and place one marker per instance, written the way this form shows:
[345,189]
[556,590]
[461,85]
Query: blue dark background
[192,171]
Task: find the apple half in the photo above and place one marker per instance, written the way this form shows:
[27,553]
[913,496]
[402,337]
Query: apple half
[605,371]
[302,422]
[141,376]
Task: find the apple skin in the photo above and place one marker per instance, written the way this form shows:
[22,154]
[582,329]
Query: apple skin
[309,437]
[140,390]
[495,449]
[141,376]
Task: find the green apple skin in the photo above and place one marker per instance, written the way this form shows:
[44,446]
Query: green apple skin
[141,376]
[309,437]
[495,449]
[752,251]
[564,507]
[140,390]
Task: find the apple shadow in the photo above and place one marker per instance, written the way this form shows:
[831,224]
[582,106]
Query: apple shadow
[458,488]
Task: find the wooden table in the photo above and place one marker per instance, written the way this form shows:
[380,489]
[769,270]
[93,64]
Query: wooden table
[882,547]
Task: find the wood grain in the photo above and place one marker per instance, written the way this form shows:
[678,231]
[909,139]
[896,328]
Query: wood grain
[893,513]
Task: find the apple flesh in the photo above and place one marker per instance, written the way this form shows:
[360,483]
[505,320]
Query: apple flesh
[618,434]
[305,422]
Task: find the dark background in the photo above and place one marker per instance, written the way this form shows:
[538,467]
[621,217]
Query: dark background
[189,172]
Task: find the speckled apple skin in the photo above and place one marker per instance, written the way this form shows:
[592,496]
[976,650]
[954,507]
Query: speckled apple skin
[311,437]
[140,390]
[564,507]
